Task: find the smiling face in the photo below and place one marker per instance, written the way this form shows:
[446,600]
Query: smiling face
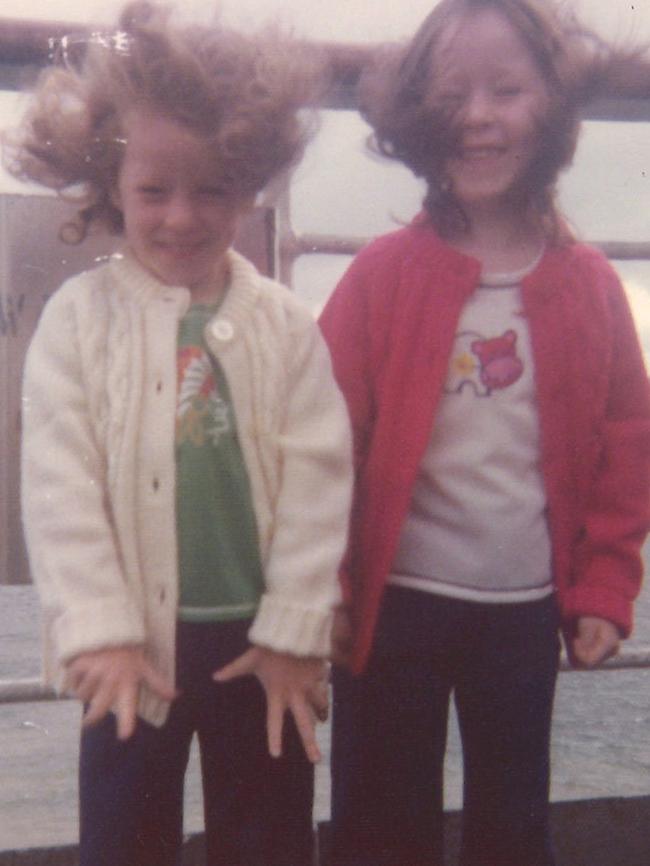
[487,82]
[178,218]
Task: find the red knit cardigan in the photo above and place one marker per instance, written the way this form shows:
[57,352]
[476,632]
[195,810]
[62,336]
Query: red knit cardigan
[390,325]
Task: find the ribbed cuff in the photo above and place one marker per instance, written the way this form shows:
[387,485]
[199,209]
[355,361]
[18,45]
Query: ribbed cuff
[289,628]
[96,626]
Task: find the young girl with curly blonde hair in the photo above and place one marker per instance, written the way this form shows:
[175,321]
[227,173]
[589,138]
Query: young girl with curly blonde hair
[501,421]
[186,452]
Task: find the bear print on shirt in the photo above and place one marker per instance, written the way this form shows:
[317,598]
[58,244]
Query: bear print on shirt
[484,363]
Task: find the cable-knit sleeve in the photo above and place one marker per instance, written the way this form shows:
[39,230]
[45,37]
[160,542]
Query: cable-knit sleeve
[310,520]
[69,530]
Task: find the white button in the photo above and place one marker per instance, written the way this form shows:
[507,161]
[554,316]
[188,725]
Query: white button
[223,330]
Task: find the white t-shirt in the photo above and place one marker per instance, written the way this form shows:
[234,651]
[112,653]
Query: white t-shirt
[477,526]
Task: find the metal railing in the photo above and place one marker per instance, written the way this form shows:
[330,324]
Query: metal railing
[32,690]
[294,246]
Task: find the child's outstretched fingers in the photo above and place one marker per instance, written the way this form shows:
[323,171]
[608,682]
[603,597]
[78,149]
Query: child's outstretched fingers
[126,705]
[305,719]
[242,666]
[596,640]
[290,683]
[319,697]
[275,710]
[110,679]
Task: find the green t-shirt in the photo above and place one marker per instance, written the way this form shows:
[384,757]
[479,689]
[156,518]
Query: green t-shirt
[219,564]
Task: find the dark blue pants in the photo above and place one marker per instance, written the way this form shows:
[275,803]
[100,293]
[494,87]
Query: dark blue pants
[258,810]
[390,728]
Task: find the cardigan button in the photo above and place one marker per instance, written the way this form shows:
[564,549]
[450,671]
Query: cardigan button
[223,330]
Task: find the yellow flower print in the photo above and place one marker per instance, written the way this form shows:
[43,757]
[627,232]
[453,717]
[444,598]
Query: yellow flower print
[463,365]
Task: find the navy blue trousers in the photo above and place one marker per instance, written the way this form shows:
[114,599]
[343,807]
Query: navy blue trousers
[258,810]
[390,728]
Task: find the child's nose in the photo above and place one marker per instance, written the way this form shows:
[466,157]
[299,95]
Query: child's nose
[180,212]
[478,107]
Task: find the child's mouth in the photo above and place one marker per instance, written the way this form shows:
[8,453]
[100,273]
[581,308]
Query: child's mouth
[481,154]
[181,250]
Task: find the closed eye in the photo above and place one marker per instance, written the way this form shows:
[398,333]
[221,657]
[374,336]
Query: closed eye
[213,192]
[151,191]
[506,91]
[450,98]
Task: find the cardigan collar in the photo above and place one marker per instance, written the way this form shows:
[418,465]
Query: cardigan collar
[432,252]
[139,285]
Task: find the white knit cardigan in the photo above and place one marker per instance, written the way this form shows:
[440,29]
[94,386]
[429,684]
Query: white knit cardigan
[98,466]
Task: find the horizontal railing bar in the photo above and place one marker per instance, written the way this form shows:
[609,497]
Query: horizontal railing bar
[625,250]
[33,43]
[25,42]
[25,691]
[631,110]
[309,244]
[632,658]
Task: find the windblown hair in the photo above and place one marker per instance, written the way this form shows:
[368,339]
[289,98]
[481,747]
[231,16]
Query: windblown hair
[577,66]
[245,94]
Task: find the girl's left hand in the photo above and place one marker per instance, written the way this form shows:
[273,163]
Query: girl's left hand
[291,683]
[595,640]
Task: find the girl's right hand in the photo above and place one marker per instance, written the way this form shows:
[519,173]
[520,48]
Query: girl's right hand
[596,639]
[110,679]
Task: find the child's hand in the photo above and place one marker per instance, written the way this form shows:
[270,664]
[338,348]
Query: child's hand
[110,679]
[595,640]
[290,683]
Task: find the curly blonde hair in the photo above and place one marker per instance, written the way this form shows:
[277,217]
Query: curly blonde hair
[408,126]
[243,93]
